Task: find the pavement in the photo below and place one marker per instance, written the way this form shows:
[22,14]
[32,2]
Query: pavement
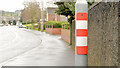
[22,47]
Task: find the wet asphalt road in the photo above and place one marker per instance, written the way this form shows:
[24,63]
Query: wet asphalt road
[22,47]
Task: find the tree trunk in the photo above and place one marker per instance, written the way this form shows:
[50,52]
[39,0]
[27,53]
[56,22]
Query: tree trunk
[70,32]
[39,26]
[73,34]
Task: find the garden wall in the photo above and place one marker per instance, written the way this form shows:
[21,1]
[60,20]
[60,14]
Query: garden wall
[65,35]
[103,34]
[54,31]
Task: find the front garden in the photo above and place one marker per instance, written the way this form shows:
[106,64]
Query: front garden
[54,27]
[34,26]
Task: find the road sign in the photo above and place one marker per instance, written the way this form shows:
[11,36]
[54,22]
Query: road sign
[81,14]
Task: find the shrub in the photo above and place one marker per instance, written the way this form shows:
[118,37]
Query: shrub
[34,26]
[28,22]
[56,24]
[44,27]
[24,23]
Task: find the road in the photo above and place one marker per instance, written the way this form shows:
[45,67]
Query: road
[22,47]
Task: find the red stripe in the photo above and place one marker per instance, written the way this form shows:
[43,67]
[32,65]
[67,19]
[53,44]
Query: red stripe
[81,50]
[82,16]
[81,32]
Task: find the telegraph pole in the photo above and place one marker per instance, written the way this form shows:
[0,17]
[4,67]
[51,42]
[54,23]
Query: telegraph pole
[42,16]
[81,14]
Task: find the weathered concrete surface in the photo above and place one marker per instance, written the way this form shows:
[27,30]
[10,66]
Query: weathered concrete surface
[52,51]
[103,34]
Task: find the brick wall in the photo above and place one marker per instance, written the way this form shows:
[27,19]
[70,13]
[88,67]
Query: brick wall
[103,34]
[51,17]
[65,35]
[58,17]
[54,31]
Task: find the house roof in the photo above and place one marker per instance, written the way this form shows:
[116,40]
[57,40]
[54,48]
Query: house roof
[51,5]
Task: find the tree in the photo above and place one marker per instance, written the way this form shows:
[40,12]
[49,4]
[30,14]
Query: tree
[3,22]
[14,22]
[64,8]
[68,9]
[10,22]
[31,12]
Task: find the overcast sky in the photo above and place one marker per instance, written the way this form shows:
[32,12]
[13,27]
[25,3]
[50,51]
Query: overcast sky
[12,5]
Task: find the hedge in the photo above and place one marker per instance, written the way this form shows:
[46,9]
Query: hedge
[35,26]
[56,24]
[26,23]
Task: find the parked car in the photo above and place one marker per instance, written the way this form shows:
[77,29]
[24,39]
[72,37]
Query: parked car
[1,25]
[21,26]
[24,26]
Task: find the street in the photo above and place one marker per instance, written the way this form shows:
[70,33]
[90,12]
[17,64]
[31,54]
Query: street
[22,47]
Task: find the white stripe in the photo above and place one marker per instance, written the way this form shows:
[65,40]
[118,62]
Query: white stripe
[81,24]
[81,41]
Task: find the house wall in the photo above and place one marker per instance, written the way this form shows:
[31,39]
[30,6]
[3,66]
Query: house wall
[52,16]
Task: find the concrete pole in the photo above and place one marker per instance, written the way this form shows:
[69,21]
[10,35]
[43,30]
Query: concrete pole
[81,13]
[42,17]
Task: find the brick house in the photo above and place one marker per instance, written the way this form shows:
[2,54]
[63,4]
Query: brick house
[52,16]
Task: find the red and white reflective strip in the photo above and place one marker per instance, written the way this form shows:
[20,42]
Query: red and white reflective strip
[81,33]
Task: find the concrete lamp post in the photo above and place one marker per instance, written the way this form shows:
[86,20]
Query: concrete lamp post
[81,14]
[41,25]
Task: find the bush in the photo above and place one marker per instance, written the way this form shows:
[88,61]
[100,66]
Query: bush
[24,23]
[56,24]
[28,22]
[43,26]
[34,26]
